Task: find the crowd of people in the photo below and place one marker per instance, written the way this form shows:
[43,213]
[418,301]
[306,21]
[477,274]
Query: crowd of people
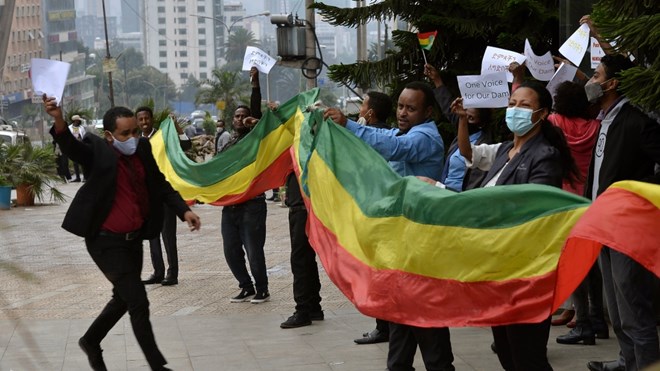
[584,138]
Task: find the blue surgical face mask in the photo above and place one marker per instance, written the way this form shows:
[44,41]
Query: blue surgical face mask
[519,120]
[126,147]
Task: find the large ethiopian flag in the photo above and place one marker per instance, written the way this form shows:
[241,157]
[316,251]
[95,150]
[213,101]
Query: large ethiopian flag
[259,162]
[405,251]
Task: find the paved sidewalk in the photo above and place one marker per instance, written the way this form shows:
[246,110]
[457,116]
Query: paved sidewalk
[47,306]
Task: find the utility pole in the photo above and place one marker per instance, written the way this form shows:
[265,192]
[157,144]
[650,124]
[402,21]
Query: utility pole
[310,49]
[108,58]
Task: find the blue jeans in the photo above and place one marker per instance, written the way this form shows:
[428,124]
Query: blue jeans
[243,226]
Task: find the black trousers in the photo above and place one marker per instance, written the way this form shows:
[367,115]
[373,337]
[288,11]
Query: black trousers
[383,326]
[434,343]
[121,263]
[63,167]
[306,283]
[523,347]
[76,168]
[588,301]
[169,240]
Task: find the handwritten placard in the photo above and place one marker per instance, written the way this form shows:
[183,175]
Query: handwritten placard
[255,57]
[498,60]
[484,91]
[541,67]
[576,45]
[597,53]
[565,72]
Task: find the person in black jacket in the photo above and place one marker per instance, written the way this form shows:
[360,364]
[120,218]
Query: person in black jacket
[145,119]
[628,147]
[120,205]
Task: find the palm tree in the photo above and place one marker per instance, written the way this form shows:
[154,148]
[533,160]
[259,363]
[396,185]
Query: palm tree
[226,86]
[237,42]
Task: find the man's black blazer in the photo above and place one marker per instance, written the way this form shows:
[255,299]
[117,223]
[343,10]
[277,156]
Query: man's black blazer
[91,205]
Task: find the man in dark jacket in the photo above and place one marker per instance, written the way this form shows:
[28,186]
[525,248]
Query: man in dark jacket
[120,205]
[628,147]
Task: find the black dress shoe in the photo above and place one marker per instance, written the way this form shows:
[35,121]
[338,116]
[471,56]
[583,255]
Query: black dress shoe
[602,333]
[298,319]
[169,281]
[605,366]
[153,279]
[316,316]
[373,337]
[94,355]
[578,335]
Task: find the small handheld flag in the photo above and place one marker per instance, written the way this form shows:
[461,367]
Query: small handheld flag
[426,41]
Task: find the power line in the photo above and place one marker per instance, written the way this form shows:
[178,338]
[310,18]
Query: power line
[156,29]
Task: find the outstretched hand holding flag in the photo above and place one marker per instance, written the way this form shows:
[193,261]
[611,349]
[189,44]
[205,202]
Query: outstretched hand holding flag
[426,41]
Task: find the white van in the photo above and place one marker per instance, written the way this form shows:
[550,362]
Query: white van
[10,136]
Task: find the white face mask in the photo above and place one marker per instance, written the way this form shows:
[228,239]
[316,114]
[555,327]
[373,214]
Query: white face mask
[127,147]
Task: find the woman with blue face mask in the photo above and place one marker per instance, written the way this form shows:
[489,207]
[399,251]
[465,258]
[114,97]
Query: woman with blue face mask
[538,154]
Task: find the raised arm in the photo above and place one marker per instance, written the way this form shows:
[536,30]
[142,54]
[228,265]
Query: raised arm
[255,97]
[463,136]
[441,92]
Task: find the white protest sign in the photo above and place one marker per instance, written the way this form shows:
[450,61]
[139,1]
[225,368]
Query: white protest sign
[565,72]
[484,91]
[597,53]
[49,77]
[542,67]
[498,60]
[255,57]
[576,45]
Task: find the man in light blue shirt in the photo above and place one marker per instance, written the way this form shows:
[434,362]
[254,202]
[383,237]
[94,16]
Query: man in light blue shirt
[415,148]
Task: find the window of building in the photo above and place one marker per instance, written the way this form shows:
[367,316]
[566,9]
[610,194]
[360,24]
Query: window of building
[203,75]
[162,53]
[184,76]
[161,20]
[183,31]
[201,42]
[181,20]
[202,53]
[181,9]
[183,53]
[162,42]
[163,65]
[202,64]
[183,42]
[183,64]
[201,9]
[161,9]
[161,31]
[201,31]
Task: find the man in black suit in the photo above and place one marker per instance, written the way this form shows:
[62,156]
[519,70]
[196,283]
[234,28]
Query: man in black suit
[145,118]
[120,205]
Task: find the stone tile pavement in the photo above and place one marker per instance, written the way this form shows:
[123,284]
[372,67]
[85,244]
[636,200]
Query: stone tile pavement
[50,291]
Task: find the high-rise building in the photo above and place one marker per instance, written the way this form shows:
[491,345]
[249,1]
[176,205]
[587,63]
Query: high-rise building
[60,26]
[177,43]
[130,16]
[21,39]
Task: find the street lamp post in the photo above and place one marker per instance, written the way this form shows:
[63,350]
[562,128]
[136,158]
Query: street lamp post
[231,25]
